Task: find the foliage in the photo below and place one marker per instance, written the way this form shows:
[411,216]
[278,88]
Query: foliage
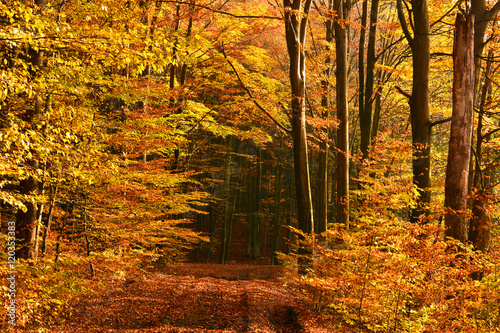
[402,277]
[46,292]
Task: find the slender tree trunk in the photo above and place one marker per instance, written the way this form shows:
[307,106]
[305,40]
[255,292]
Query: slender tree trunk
[361,65]
[277,221]
[479,229]
[457,170]
[249,213]
[256,226]
[342,210]
[376,113]
[211,231]
[296,19]
[26,221]
[419,107]
[295,27]
[419,102]
[49,219]
[226,235]
[365,120]
[322,204]
[482,18]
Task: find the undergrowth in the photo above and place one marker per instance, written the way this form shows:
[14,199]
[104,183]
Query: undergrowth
[403,278]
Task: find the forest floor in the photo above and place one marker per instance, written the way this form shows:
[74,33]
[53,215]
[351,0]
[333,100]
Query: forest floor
[198,298]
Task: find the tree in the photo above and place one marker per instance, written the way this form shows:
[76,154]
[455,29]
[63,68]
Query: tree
[483,17]
[457,169]
[322,200]
[296,20]
[419,99]
[365,109]
[342,9]
[26,220]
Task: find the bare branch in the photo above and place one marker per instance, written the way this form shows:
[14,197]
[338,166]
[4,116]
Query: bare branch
[402,21]
[440,121]
[223,12]
[402,92]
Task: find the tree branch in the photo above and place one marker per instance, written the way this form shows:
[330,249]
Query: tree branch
[492,12]
[446,14]
[402,92]
[223,12]
[260,107]
[402,21]
[440,121]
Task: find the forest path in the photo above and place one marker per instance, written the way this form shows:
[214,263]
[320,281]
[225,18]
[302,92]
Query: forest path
[198,298]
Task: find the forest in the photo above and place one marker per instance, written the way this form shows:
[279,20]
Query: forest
[353,144]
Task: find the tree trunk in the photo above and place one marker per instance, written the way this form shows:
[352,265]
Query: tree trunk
[26,222]
[419,102]
[361,68]
[295,28]
[376,114]
[365,119]
[296,19]
[457,169]
[256,216]
[342,209]
[226,234]
[479,230]
[322,204]
[277,221]
[49,219]
[482,18]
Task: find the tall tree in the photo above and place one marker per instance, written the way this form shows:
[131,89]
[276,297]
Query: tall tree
[365,112]
[342,9]
[457,169]
[322,203]
[483,16]
[419,99]
[479,229]
[296,20]
[26,220]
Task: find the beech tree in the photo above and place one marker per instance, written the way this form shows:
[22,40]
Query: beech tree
[457,169]
[296,21]
[366,91]
[342,205]
[419,44]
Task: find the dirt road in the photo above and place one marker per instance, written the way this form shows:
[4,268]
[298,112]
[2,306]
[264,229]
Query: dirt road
[198,298]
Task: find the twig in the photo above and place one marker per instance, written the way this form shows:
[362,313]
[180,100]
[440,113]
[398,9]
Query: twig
[402,92]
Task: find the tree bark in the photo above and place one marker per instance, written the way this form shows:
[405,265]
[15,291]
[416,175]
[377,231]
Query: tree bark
[479,229]
[277,220]
[482,18]
[365,119]
[361,69]
[226,234]
[296,18]
[256,225]
[419,101]
[49,219]
[26,221]
[457,169]
[342,202]
[322,205]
